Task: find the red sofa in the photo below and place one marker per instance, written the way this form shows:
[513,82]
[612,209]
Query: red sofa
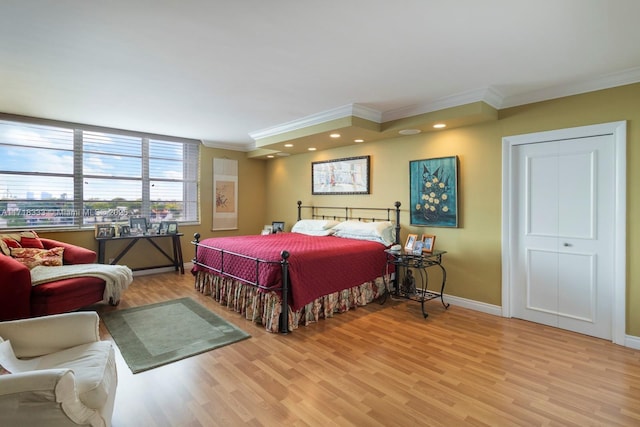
[19,299]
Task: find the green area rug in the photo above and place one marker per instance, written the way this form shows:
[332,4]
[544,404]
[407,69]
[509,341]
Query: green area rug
[157,334]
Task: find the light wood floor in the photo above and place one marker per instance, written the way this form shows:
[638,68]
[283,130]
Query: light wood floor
[382,365]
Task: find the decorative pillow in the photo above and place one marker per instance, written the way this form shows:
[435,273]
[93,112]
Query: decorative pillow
[31,242]
[313,225]
[377,231]
[32,257]
[6,243]
[26,239]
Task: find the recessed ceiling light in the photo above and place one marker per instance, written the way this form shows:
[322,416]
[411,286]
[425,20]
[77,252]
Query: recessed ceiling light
[409,131]
[270,156]
[440,126]
[335,135]
[312,148]
[288,145]
[358,140]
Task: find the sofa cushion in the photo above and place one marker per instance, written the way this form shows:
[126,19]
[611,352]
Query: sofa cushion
[94,368]
[32,257]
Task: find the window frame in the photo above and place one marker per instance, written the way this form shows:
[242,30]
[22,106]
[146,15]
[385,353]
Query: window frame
[190,176]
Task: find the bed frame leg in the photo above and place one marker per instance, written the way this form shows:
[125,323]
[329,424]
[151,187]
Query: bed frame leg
[284,313]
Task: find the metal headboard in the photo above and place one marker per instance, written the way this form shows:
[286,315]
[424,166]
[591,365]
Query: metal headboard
[343,213]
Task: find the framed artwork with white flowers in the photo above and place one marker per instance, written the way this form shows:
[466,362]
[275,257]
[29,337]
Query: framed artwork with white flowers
[434,192]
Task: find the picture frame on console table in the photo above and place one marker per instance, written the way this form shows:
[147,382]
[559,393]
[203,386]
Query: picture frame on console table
[105,231]
[125,231]
[169,227]
[138,225]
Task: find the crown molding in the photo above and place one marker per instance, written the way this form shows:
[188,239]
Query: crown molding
[622,78]
[229,146]
[488,94]
[323,117]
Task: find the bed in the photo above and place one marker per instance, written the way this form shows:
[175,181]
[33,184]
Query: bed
[332,260]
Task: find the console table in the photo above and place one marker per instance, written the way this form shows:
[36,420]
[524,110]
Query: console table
[406,263]
[176,259]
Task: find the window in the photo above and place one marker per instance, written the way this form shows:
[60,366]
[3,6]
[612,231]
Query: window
[74,176]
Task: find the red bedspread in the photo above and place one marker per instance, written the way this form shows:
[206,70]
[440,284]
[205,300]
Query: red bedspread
[318,265]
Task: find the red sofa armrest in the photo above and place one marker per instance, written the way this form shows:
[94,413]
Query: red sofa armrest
[15,289]
[72,254]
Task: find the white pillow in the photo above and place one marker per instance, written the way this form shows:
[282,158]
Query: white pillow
[315,232]
[377,231]
[313,225]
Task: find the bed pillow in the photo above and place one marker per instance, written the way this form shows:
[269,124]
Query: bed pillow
[308,225]
[328,232]
[377,231]
[32,257]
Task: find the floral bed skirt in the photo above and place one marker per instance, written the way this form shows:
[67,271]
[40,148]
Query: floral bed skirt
[265,308]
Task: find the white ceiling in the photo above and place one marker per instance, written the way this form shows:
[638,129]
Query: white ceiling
[221,71]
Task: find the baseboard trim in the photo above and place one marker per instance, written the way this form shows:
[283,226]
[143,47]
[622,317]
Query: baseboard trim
[630,341]
[483,307]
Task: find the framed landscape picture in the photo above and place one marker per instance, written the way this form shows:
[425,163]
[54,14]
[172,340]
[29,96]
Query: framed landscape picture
[340,176]
[434,192]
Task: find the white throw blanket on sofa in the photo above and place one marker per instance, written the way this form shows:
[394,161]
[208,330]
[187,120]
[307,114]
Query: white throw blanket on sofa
[117,277]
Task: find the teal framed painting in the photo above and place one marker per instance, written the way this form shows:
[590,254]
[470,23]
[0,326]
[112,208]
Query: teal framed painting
[434,192]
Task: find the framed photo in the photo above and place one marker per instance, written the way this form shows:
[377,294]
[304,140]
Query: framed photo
[410,243]
[268,229]
[417,247]
[434,192]
[125,230]
[277,227]
[169,227]
[428,243]
[138,225]
[342,176]
[105,231]
[154,228]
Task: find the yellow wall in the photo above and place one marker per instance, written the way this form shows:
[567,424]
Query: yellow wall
[473,260]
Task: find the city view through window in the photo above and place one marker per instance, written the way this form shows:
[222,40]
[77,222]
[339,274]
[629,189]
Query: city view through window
[68,177]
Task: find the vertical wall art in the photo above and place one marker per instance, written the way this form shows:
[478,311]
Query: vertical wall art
[225,198]
[434,192]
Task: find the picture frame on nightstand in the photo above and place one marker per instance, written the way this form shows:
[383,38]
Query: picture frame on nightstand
[428,243]
[411,242]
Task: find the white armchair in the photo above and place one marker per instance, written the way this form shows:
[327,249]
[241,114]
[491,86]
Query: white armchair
[61,374]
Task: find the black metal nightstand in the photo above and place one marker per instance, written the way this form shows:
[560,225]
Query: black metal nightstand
[405,263]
